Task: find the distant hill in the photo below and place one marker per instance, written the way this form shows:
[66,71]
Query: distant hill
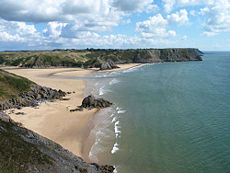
[96,57]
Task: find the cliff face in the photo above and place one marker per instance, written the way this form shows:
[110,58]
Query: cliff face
[100,58]
[167,55]
[17,92]
[22,150]
[25,151]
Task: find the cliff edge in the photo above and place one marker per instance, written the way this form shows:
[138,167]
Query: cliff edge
[25,151]
[99,58]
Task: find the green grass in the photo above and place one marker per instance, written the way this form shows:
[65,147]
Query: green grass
[77,58]
[16,154]
[11,85]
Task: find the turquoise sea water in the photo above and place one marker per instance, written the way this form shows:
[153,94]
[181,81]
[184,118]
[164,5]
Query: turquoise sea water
[169,117]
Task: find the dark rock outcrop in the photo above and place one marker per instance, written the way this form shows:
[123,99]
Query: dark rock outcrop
[108,65]
[32,98]
[91,102]
[25,151]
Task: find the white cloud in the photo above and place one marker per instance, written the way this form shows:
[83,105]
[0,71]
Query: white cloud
[132,5]
[179,18]
[155,26]
[6,37]
[169,5]
[90,14]
[54,29]
[152,8]
[217,16]
[109,12]
[33,11]
[17,31]
[20,35]
[115,41]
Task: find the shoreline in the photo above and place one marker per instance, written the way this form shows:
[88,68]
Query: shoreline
[53,119]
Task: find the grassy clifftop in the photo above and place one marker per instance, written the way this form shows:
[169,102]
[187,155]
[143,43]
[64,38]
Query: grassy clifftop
[43,58]
[24,151]
[17,155]
[11,85]
[95,57]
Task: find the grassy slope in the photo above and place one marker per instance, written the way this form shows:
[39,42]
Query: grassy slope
[16,154]
[77,58]
[11,85]
[69,58]
[44,58]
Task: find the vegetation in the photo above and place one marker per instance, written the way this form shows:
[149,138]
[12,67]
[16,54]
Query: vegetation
[16,155]
[11,85]
[86,58]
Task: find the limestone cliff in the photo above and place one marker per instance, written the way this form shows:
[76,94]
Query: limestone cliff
[100,58]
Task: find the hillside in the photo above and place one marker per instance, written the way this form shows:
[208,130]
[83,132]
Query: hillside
[17,92]
[96,57]
[11,85]
[25,151]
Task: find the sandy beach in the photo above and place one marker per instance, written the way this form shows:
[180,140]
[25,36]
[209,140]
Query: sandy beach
[53,119]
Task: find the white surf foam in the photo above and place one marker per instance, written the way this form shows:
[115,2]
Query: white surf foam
[102,131]
[115,170]
[114,119]
[115,148]
[101,91]
[117,129]
[120,111]
[133,68]
[113,81]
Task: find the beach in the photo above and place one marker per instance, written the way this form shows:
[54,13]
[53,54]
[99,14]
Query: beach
[54,120]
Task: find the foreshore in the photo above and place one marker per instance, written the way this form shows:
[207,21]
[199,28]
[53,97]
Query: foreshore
[53,119]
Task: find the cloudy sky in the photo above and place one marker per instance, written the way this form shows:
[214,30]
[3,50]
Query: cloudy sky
[49,24]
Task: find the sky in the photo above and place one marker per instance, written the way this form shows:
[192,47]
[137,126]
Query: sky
[116,24]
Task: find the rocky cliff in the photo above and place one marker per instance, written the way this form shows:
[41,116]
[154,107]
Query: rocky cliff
[22,150]
[167,55]
[100,58]
[25,151]
[17,92]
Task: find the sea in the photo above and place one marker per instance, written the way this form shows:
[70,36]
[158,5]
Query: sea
[166,117]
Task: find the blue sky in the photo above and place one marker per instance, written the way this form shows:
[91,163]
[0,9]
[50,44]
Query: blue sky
[79,24]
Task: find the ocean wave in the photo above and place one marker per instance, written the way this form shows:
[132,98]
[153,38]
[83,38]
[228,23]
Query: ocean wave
[114,119]
[113,81]
[115,148]
[101,91]
[120,111]
[115,170]
[117,73]
[102,131]
[117,129]
[107,74]
[133,68]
